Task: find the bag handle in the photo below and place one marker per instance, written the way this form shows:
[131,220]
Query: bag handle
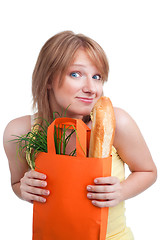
[81,136]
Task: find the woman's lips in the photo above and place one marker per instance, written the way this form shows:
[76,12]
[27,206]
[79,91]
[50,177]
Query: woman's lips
[86,100]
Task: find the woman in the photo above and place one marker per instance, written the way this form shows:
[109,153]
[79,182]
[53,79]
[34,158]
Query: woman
[71,69]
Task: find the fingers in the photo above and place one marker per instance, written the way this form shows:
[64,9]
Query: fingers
[31,186]
[37,191]
[33,178]
[106,180]
[30,198]
[34,182]
[104,188]
[34,174]
[102,196]
[111,203]
[107,190]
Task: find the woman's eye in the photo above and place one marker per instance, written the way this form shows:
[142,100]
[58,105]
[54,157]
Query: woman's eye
[75,74]
[97,76]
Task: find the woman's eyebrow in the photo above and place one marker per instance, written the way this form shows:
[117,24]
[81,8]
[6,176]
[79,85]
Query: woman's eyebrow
[77,65]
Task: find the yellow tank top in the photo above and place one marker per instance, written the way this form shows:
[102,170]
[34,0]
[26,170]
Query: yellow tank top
[117,229]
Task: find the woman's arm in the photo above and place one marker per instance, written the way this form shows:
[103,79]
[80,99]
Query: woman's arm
[26,184]
[133,150]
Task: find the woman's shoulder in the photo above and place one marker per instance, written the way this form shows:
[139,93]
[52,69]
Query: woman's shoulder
[126,127]
[18,126]
[123,118]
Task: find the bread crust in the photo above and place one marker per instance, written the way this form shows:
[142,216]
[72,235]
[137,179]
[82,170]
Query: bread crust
[102,129]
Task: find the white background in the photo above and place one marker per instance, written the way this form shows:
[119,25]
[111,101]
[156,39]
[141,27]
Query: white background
[129,33]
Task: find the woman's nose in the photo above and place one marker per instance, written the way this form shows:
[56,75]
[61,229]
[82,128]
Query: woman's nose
[89,85]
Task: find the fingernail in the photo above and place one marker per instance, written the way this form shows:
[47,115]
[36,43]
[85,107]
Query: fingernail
[43,200]
[44,184]
[89,195]
[88,187]
[96,181]
[47,192]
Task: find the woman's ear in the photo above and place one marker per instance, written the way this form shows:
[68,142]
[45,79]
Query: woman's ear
[49,86]
[49,83]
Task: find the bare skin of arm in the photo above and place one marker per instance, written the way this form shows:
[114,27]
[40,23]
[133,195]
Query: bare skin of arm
[133,150]
[27,184]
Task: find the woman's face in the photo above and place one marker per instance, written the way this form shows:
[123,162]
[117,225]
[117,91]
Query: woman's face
[82,87]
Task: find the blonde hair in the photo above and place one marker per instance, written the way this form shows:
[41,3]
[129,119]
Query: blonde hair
[54,58]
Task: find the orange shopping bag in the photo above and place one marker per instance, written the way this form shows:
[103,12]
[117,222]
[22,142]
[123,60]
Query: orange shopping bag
[68,214]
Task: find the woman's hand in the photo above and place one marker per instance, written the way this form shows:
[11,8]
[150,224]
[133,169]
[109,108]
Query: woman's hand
[106,192]
[31,187]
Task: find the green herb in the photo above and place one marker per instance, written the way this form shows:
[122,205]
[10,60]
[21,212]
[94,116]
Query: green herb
[35,141]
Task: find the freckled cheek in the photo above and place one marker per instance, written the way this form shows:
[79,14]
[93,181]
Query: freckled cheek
[101,90]
[98,87]
[70,92]
[72,89]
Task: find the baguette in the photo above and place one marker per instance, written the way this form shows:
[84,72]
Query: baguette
[103,129]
